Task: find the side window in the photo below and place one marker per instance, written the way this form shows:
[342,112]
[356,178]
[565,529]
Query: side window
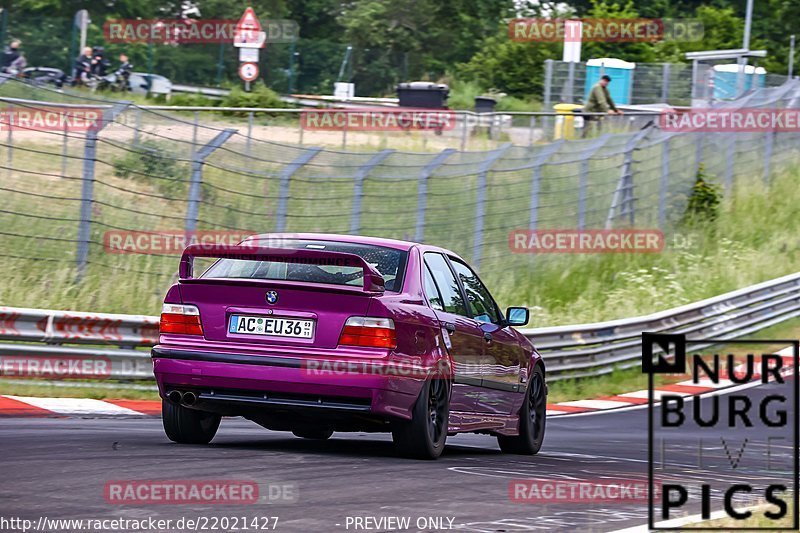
[446,283]
[480,302]
[431,291]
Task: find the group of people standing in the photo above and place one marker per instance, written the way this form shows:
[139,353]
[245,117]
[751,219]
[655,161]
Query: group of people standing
[89,66]
[92,63]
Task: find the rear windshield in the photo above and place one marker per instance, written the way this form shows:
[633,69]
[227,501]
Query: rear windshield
[389,262]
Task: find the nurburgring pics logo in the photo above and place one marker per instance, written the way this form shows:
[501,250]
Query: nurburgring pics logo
[741,443]
[573,241]
[405,119]
[743,120]
[605,30]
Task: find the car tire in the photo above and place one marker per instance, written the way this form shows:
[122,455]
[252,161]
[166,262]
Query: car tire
[313,433]
[188,426]
[424,436]
[532,419]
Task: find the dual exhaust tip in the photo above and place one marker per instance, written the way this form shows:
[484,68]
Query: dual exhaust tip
[183,398]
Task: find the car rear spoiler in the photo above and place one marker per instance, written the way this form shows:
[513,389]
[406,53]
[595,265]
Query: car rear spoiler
[373,280]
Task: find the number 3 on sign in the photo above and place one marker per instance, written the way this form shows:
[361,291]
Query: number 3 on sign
[248,71]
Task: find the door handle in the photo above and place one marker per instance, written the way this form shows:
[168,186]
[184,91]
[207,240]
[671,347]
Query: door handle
[487,337]
[450,327]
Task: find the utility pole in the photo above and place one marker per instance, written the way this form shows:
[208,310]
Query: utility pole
[748,24]
[791,56]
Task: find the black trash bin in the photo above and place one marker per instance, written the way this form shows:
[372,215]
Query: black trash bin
[423,94]
[484,104]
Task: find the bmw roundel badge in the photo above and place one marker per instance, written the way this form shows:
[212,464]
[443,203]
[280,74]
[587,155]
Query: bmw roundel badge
[272,297]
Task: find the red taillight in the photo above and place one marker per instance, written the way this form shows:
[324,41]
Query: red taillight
[183,319]
[368,331]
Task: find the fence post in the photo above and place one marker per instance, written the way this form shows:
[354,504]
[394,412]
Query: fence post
[137,126]
[464,127]
[64,150]
[87,198]
[730,159]
[422,190]
[665,82]
[358,187]
[623,195]
[300,126]
[249,132]
[10,139]
[698,154]
[768,142]
[480,207]
[663,186]
[530,130]
[196,182]
[548,93]
[536,178]
[285,180]
[568,91]
[87,186]
[583,177]
[194,131]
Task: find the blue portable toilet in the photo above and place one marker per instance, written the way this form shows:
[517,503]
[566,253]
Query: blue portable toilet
[621,73]
[725,79]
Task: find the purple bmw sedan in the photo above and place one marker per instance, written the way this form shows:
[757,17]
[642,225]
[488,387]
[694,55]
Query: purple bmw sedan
[316,333]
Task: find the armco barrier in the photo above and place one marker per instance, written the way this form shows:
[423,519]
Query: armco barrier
[569,351]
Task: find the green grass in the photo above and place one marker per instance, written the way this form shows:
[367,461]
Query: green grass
[629,380]
[754,239]
[87,390]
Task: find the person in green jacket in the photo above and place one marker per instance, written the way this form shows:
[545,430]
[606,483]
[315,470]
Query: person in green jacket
[599,101]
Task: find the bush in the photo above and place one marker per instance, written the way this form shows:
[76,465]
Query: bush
[153,164]
[189,99]
[704,202]
[259,96]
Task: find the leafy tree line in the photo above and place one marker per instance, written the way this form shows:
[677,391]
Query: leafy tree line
[392,40]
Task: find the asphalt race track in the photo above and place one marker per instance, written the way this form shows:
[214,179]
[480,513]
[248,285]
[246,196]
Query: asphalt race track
[59,467]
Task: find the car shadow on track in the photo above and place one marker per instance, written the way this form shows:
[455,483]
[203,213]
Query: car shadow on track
[345,447]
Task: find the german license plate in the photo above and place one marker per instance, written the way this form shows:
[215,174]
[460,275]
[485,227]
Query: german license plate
[299,328]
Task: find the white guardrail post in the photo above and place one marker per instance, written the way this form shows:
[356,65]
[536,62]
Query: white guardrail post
[569,351]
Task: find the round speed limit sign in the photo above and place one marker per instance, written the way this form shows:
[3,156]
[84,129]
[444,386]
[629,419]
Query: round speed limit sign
[248,71]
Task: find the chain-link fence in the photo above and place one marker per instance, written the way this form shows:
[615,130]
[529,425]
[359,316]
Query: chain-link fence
[676,84]
[64,191]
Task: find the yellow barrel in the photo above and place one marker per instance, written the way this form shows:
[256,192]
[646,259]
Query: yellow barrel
[565,125]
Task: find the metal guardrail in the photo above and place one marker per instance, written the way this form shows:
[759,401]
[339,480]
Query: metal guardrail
[569,351]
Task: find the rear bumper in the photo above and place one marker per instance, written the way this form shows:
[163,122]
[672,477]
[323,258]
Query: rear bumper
[267,382]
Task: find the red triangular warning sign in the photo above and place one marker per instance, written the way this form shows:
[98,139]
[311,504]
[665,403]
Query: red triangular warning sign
[249,21]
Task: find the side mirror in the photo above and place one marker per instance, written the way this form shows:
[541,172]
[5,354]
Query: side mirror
[517,316]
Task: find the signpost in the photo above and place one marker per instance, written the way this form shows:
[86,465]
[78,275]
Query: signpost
[248,38]
[248,72]
[573,35]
